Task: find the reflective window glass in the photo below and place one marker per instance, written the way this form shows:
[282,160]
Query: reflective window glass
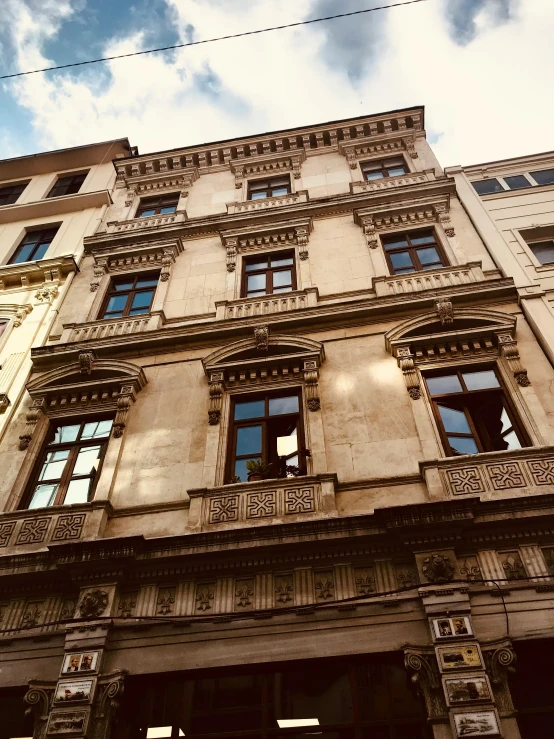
[543,251]
[463,445]
[454,421]
[283,277]
[249,440]
[77,491]
[43,496]
[249,409]
[480,380]
[267,276]
[251,266]
[543,176]
[96,429]
[256,282]
[281,261]
[422,237]
[517,182]
[443,384]
[278,406]
[428,256]
[87,461]
[394,243]
[486,187]
[402,261]
[54,465]
[63,434]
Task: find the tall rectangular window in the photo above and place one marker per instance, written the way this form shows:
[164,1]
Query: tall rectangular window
[268,274]
[413,251]
[472,412]
[270,188]
[68,184]
[162,205]
[33,246]
[130,296]
[70,464]
[9,194]
[267,429]
[377,169]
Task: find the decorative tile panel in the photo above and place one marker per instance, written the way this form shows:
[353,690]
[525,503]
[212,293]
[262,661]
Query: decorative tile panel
[29,528]
[261,504]
[465,480]
[224,509]
[406,575]
[505,476]
[166,601]
[469,568]
[299,500]
[127,603]
[33,530]
[32,614]
[69,527]
[6,531]
[542,471]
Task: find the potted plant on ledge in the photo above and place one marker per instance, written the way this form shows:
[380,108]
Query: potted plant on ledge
[257,470]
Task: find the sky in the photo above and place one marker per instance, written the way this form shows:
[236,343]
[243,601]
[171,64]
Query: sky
[483,69]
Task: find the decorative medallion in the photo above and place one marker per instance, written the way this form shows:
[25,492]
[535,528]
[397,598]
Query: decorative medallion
[438,568]
[93,604]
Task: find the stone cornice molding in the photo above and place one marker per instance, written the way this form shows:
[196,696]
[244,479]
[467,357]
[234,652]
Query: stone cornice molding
[508,166]
[15,312]
[145,180]
[267,165]
[33,274]
[295,231]
[386,145]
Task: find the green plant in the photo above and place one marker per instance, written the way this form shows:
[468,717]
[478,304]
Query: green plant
[257,467]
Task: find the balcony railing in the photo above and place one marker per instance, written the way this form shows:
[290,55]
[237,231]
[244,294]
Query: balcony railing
[106,328]
[431,280]
[140,224]
[388,183]
[268,305]
[251,206]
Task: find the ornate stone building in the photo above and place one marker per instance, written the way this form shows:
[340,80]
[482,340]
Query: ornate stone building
[285,461]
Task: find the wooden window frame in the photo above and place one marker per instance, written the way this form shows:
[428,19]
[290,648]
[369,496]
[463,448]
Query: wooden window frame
[131,292]
[477,434]
[271,183]
[41,240]
[74,447]
[263,422]
[384,167]
[157,203]
[268,271]
[412,250]
[19,187]
[71,177]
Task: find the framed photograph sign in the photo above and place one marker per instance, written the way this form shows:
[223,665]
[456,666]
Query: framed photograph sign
[74,691]
[476,723]
[467,689]
[459,657]
[80,662]
[452,628]
[68,723]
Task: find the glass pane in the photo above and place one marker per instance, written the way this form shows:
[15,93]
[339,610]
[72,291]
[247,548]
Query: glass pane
[54,465]
[78,491]
[480,380]
[249,409]
[87,462]
[142,300]
[147,282]
[544,176]
[96,429]
[252,266]
[422,238]
[484,187]
[517,182]
[254,293]
[443,384]
[401,260]
[278,406]
[314,693]
[249,440]
[374,176]
[63,434]
[41,250]
[116,303]
[276,191]
[258,195]
[287,445]
[287,289]
[281,261]
[454,421]
[122,286]
[395,242]
[168,209]
[397,171]
[23,254]
[428,256]
[240,468]
[462,445]
[512,442]
[256,282]
[284,277]
[148,212]
[544,251]
[43,496]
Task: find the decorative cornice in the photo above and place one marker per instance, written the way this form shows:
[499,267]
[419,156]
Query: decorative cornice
[16,312]
[384,145]
[33,274]
[267,165]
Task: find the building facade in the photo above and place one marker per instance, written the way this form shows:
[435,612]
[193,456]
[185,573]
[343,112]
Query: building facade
[285,459]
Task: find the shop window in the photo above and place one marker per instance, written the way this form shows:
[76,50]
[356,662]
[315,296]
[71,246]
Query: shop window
[130,296]
[268,274]
[266,429]
[488,186]
[68,184]
[70,464]
[163,205]
[378,169]
[9,194]
[33,246]
[270,188]
[413,251]
[472,412]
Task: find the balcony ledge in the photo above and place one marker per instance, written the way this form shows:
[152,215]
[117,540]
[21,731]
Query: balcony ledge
[54,206]
[32,274]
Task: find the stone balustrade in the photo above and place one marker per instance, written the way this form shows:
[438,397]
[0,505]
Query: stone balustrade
[252,206]
[416,282]
[268,305]
[141,224]
[107,328]
[388,183]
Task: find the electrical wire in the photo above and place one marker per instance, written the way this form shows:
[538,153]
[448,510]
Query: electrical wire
[211,40]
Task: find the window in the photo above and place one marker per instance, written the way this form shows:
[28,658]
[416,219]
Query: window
[258,189]
[33,246]
[162,205]
[68,184]
[376,170]
[543,251]
[543,176]
[3,325]
[412,252]
[9,194]
[267,275]
[130,296]
[14,719]
[472,412]
[486,187]
[70,464]
[517,182]
[267,429]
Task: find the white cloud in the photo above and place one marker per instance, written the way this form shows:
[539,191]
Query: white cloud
[485,100]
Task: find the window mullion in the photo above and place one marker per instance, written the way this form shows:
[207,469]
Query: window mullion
[475,430]
[66,475]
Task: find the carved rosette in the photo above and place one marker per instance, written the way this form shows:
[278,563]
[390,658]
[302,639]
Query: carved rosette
[216,397]
[125,400]
[509,350]
[33,415]
[311,378]
[261,337]
[93,604]
[438,568]
[405,360]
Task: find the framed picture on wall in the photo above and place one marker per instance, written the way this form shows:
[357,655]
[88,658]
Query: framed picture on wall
[467,689]
[459,657]
[476,723]
[79,662]
[74,691]
[452,628]
[68,722]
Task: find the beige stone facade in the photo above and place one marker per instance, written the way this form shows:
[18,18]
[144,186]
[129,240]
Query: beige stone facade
[395,557]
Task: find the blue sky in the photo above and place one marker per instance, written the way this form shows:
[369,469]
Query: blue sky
[481,67]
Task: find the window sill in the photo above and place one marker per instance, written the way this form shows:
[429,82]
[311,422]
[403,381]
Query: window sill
[429,279]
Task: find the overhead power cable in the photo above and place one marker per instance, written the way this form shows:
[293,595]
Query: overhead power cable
[211,40]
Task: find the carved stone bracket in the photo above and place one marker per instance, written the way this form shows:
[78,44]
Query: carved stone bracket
[4,402]
[33,415]
[422,668]
[125,400]
[268,164]
[500,660]
[99,270]
[86,361]
[509,350]
[216,397]
[110,689]
[20,315]
[405,360]
[311,378]
[443,217]
[275,235]
[39,699]
[47,294]
[445,311]
[261,337]
[167,260]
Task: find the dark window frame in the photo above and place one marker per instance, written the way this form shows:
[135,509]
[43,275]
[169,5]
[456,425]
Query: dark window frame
[269,271]
[71,184]
[269,183]
[167,200]
[234,425]
[11,198]
[479,433]
[412,250]
[385,166]
[131,292]
[74,447]
[541,242]
[43,236]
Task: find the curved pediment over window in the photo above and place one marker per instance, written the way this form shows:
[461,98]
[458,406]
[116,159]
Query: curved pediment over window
[262,347]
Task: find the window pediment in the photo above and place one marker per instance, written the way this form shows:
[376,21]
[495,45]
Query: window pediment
[295,232]
[267,164]
[373,146]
